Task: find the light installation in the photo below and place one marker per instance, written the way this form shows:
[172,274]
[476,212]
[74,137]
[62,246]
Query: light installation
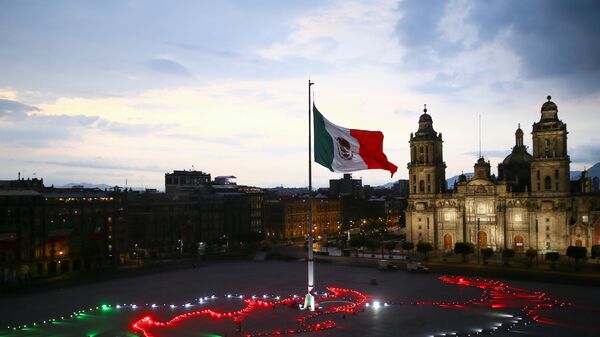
[495,295]
[351,300]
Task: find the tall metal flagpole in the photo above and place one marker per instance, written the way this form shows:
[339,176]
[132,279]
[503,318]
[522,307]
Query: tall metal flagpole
[309,299]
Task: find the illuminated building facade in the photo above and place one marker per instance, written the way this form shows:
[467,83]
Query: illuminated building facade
[531,204]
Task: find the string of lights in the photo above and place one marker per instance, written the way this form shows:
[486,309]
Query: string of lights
[495,294]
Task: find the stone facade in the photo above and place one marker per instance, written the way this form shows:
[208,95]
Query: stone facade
[531,204]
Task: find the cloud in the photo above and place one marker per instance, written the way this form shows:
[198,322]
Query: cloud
[99,164]
[585,153]
[15,110]
[551,40]
[206,139]
[170,67]
[36,129]
[131,128]
[489,153]
[23,128]
[228,54]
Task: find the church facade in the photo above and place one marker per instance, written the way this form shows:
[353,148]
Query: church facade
[532,203]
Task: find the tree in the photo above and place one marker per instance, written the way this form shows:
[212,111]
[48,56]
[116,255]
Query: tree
[508,254]
[371,245]
[596,252]
[531,254]
[424,247]
[464,249]
[357,241]
[390,245]
[552,257]
[576,253]
[407,245]
[486,253]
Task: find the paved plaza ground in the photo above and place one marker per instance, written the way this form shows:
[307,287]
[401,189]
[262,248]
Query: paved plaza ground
[402,317]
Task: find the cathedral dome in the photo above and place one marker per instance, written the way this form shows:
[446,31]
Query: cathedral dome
[549,111]
[517,157]
[549,106]
[425,124]
[519,154]
[425,118]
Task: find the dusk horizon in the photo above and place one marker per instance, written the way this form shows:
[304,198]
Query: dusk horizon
[104,92]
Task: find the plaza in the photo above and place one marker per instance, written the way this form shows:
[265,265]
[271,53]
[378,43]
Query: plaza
[399,304]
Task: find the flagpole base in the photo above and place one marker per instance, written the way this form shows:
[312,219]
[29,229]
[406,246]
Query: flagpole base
[309,303]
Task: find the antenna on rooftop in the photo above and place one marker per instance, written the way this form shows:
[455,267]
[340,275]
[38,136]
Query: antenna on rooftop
[479,135]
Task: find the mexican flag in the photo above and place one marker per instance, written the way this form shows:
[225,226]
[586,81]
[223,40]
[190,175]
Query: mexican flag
[347,150]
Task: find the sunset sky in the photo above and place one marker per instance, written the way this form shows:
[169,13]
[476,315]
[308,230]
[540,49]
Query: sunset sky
[103,91]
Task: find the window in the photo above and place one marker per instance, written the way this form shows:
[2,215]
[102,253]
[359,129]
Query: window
[547,228]
[481,208]
[584,218]
[518,217]
[557,186]
[447,216]
[428,177]
[547,219]
[556,174]
[547,142]
[537,174]
[547,183]
[538,186]
[428,188]
[421,186]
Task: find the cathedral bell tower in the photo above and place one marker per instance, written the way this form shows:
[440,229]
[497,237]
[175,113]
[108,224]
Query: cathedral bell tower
[427,169]
[550,165]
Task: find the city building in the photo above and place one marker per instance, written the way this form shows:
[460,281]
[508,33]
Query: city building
[181,183]
[287,217]
[47,231]
[531,204]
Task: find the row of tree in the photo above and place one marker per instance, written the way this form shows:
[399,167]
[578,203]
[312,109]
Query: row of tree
[575,252]
[466,248]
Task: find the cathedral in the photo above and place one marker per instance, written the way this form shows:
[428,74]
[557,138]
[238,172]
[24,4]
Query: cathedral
[532,203]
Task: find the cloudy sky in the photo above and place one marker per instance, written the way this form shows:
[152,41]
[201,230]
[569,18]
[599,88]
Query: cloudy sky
[103,91]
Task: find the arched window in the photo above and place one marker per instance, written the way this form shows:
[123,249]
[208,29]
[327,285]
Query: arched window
[421,186]
[482,239]
[448,242]
[519,244]
[548,183]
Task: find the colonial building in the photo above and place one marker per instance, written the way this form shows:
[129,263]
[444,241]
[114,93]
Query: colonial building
[286,217]
[531,204]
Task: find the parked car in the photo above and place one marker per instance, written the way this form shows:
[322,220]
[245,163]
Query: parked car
[386,265]
[416,267]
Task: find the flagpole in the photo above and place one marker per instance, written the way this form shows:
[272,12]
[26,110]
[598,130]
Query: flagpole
[309,299]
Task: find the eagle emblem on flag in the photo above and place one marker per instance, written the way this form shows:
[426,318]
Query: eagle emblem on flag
[344,148]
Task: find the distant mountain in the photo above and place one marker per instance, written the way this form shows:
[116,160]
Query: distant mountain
[594,171]
[86,185]
[452,180]
[575,175]
[387,186]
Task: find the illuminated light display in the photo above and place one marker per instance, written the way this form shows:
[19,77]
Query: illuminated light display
[495,295]
[351,299]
